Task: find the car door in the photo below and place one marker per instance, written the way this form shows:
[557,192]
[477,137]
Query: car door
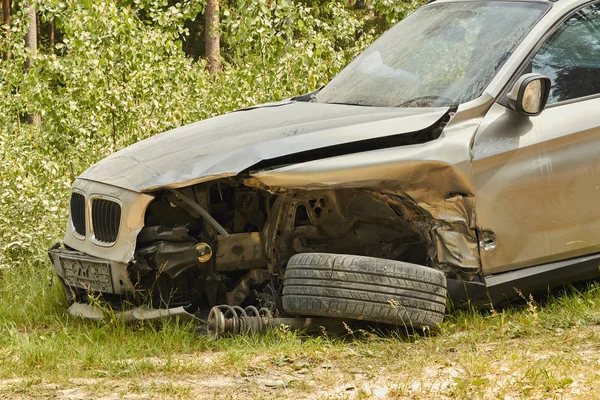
[537,179]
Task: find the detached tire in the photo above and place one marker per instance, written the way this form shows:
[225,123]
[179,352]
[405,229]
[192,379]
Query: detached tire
[364,288]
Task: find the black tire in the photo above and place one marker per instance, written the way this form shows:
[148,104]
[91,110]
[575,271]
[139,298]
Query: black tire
[364,288]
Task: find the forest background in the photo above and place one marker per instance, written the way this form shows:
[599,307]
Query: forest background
[81,79]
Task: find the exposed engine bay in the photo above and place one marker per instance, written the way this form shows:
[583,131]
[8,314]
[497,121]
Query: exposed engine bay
[239,258]
[308,219]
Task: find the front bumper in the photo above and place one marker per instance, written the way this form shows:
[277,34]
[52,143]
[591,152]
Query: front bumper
[96,275]
[82,272]
[133,207]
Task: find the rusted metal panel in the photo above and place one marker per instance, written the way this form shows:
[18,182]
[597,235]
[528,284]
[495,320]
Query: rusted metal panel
[242,251]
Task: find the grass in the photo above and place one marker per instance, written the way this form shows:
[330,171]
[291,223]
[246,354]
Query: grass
[534,350]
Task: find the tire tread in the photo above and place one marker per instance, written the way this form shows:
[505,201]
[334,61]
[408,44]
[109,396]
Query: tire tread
[364,288]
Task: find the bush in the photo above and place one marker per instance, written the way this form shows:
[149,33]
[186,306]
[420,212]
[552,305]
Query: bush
[119,75]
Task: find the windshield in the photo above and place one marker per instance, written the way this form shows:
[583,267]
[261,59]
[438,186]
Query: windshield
[441,55]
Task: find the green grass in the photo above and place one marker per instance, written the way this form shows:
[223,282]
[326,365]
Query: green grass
[547,350]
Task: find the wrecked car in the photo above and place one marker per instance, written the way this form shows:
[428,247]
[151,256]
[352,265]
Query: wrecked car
[456,158]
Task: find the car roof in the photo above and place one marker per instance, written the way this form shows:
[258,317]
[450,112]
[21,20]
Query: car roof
[558,7]
[524,1]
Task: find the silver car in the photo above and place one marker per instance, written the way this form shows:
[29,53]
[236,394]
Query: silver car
[457,157]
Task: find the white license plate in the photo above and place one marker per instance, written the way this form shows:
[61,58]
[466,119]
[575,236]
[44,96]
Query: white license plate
[95,276]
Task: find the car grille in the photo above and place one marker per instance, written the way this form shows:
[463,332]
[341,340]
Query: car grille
[106,219]
[78,213]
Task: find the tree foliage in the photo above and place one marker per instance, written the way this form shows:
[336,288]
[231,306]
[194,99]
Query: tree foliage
[118,73]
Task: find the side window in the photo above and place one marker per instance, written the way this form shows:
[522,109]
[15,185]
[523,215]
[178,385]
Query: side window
[571,57]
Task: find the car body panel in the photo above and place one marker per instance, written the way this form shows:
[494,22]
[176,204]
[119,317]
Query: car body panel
[133,205]
[116,272]
[537,184]
[228,144]
[93,313]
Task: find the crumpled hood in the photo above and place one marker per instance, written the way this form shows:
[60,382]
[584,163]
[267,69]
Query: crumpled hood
[231,143]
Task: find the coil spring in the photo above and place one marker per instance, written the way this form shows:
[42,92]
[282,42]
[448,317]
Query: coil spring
[237,320]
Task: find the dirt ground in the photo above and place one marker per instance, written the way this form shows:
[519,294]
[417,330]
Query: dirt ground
[564,364]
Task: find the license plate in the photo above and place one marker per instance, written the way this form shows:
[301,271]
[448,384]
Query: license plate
[95,276]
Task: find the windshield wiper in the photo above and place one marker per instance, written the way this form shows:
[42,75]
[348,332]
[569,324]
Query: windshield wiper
[308,97]
[350,104]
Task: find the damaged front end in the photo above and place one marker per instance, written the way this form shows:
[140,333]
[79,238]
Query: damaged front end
[225,239]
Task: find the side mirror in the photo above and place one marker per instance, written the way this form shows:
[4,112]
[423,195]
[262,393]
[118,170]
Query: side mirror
[529,95]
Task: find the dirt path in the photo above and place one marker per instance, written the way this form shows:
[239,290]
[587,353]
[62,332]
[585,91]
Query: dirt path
[561,364]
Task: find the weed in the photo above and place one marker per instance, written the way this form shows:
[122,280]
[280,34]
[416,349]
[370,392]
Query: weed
[537,349]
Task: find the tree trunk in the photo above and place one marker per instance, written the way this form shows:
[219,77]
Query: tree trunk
[362,5]
[6,19]
[212,34]
[31,44]
[51,36]
[38,30]
[6,11]
[31,34]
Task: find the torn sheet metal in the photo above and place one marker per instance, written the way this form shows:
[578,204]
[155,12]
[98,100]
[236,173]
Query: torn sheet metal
[228,144]
[432,181]
[448,228]
[90,312]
